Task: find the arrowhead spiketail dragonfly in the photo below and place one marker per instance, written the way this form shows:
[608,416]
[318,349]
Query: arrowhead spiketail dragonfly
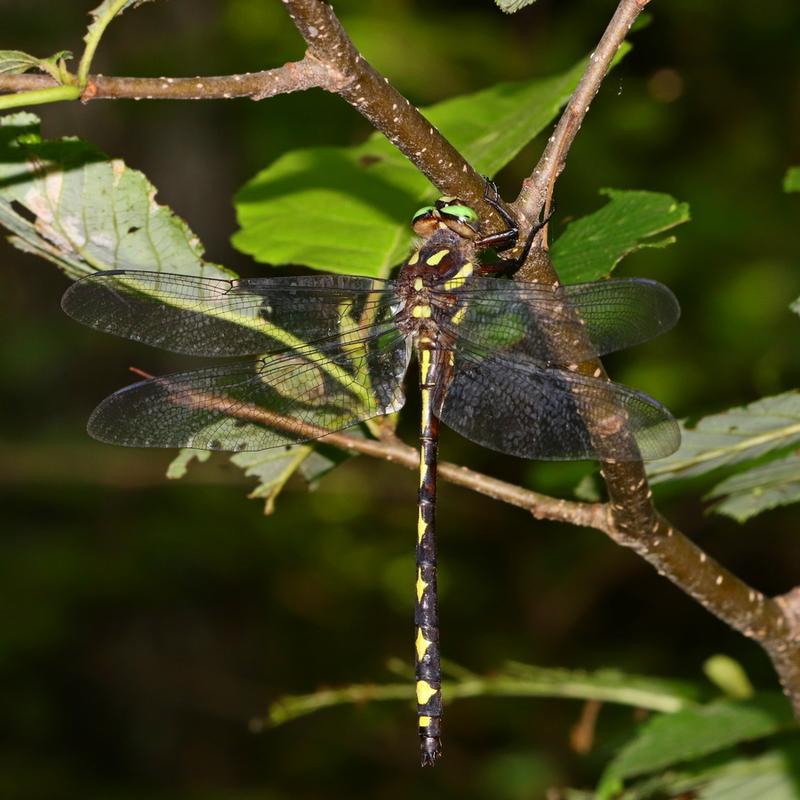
[497,363]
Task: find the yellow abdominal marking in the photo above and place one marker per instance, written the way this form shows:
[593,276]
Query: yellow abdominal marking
[418,284]
[424,365]
[421,585]
[424,692]
[424,721]
[421,312]
[422,645]
[414,258]
[459,315]
[457,281]
[437,257]
[421,527]
[426,403]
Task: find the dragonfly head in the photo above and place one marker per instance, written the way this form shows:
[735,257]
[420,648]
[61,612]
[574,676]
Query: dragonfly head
[448,212]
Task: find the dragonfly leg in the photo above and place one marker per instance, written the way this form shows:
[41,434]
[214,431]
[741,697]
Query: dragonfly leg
[501,240]
[426,610]
[512,265]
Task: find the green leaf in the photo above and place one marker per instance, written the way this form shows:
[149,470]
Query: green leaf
[272,468]
[347,209]
[776,483]
[772,776]
[511,6]
[15,62]
[592,246]
[179,465]
[736,435]
[727,776]
[65,201]
[693,732]
[791,181]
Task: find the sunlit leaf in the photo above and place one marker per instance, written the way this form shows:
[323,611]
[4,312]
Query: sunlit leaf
[65,201]
[272,468]
[179,466]
[510,6]
[736,435]
[765,486]
[347,209]
[693,732]
[593,245]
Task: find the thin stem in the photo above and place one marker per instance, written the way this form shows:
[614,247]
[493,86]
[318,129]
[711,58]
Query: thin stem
[296,76]
[533,682]
[536,194]
[92,39]
[53,94]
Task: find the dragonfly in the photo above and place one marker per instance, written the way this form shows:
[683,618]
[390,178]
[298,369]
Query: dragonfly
[498,363]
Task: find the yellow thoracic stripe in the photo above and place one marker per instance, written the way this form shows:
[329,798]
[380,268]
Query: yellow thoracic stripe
[418,284]
[424,692]
[436,257]
[414,258]
[421,312]
[457,281]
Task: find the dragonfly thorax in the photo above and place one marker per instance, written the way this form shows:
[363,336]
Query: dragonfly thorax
[442,262]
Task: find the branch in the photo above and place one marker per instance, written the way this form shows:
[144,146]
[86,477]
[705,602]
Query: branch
[632,519]
[392,449]
[373,97]
[332,63]
[292,77]
[536,195]
[632,523]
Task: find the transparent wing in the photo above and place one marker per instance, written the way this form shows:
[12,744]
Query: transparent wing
[214,317]
[568,325]
[277,400]
[524,409]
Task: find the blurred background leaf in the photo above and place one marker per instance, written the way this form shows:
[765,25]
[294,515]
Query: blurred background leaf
[691,733]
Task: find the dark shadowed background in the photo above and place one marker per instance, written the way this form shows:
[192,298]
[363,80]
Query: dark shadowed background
[143,622]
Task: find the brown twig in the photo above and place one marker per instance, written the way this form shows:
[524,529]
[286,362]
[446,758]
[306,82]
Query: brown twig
[535,197]
[292,77]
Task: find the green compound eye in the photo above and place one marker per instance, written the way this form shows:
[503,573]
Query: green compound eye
[422,212]
[463,213]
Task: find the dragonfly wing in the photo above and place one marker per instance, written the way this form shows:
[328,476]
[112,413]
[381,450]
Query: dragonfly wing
[289,397]
[563,326]
[215,317]
[524,409]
